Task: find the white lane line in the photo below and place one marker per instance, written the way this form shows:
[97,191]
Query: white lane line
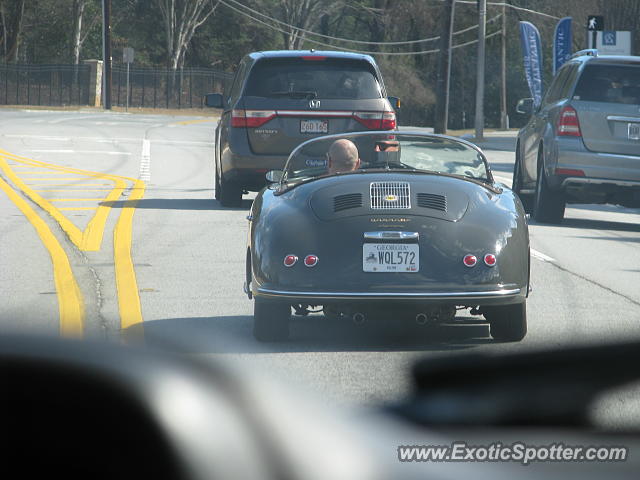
[541,256]
[110,140]
[145,161]
[91,152]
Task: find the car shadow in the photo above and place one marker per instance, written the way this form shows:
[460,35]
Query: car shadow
[315,333]
[178,204]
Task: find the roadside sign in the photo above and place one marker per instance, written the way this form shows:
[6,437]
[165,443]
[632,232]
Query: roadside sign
[613,42]
[595,22]
[127,55]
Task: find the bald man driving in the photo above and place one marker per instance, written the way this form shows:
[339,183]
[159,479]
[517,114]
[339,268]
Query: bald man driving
[343,156]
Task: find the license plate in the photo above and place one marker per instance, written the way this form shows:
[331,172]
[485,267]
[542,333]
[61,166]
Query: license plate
[390,257]
[314,126]
[634,131]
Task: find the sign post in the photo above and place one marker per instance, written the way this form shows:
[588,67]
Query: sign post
[127,57]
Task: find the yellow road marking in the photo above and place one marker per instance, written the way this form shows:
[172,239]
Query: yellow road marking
[126,284]
[70,302]
[91,238]
[73,190]
[66,185]
[56,179]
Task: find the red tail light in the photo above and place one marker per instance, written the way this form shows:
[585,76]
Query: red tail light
[470,260]
[490,260]
[570,171]
[568,124]
[310,261]
[251,118]
[376,120]
[290,260]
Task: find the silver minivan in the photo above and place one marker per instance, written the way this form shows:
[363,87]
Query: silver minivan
[582,144]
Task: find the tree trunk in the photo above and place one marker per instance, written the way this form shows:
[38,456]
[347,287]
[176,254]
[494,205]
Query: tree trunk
[12,16]
[78,14]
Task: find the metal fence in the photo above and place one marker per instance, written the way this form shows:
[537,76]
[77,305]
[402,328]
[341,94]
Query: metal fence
[44,84]
[165,88]
[54,85]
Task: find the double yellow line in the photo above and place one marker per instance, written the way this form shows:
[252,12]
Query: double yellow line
[70,301]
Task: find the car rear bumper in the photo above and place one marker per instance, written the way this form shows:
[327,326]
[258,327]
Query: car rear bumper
[249,170]
[501,296]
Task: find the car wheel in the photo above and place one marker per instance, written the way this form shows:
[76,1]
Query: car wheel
[516,186]
[230,194]
[507,323]
[549,205]
[271,320]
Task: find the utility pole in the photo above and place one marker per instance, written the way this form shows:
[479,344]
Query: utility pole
[106,52]
[482,19]
[444,69]
[504,119]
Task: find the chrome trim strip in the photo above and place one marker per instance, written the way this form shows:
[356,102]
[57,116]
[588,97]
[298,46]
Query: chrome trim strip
[313,113]
[391,235]
[600,181]
[491,293]
[616,118]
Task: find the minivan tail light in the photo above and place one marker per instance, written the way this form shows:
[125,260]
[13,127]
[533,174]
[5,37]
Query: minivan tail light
[376,120]
[251,118]
[568,124]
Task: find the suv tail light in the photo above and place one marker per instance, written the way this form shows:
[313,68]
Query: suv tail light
[568,124]
[251,118]
[376,120]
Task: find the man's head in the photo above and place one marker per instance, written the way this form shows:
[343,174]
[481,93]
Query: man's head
[343,156]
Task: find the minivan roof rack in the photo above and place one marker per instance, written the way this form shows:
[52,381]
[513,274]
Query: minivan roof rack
[591,52]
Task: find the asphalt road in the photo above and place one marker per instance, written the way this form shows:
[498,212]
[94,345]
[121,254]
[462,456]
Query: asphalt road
[176,262]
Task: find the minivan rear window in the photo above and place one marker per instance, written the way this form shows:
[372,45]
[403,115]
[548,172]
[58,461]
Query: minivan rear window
[299,78]
[609,83]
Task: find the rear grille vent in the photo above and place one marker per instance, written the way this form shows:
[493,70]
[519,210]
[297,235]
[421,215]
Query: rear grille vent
[390,195]
[347,201]
[433,201]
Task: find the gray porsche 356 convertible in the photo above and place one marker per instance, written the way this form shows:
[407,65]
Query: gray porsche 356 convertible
[403,224]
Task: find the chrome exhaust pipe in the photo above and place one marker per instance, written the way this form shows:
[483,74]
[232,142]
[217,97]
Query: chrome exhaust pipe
[358,318]
[422,319]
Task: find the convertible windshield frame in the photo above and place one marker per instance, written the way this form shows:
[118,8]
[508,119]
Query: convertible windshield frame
[286,180]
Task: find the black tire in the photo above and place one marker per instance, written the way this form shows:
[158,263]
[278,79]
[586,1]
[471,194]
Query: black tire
[507,323]
[217,184]
[516,184]
[230,194]
[271,320]
[548,205]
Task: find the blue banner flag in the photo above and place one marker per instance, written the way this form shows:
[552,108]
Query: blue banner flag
[532,54]
[562,43]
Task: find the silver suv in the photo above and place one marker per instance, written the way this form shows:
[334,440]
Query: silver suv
[582,144]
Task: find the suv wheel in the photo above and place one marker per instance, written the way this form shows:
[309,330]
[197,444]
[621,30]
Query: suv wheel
[516,185]
[230,193]
[270,320]
[507,323]
[549,205]
[217,184]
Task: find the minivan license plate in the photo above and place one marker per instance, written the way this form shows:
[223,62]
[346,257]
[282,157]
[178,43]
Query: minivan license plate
[314,126]
[391,257]
[634,131]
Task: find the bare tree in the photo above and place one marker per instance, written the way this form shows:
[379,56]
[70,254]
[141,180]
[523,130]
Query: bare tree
[11,16]
[181,20]
[301,15]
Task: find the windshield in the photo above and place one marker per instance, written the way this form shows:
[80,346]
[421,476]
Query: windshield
[375,151]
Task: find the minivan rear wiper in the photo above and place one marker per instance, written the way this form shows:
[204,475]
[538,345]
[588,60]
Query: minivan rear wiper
[310,94]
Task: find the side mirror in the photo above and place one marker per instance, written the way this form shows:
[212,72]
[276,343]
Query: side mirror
[213,100]
[274,176]
[525,106]
[395,103]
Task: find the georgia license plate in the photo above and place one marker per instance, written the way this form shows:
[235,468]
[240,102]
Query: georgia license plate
[314,126]
[390,257]
[634,131]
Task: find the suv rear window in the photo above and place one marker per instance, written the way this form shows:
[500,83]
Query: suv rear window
[609,83]
[299,78]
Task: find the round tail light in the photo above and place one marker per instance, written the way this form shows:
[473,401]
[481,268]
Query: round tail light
[310,261]
[470,260]
[490,260]
[290,260]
